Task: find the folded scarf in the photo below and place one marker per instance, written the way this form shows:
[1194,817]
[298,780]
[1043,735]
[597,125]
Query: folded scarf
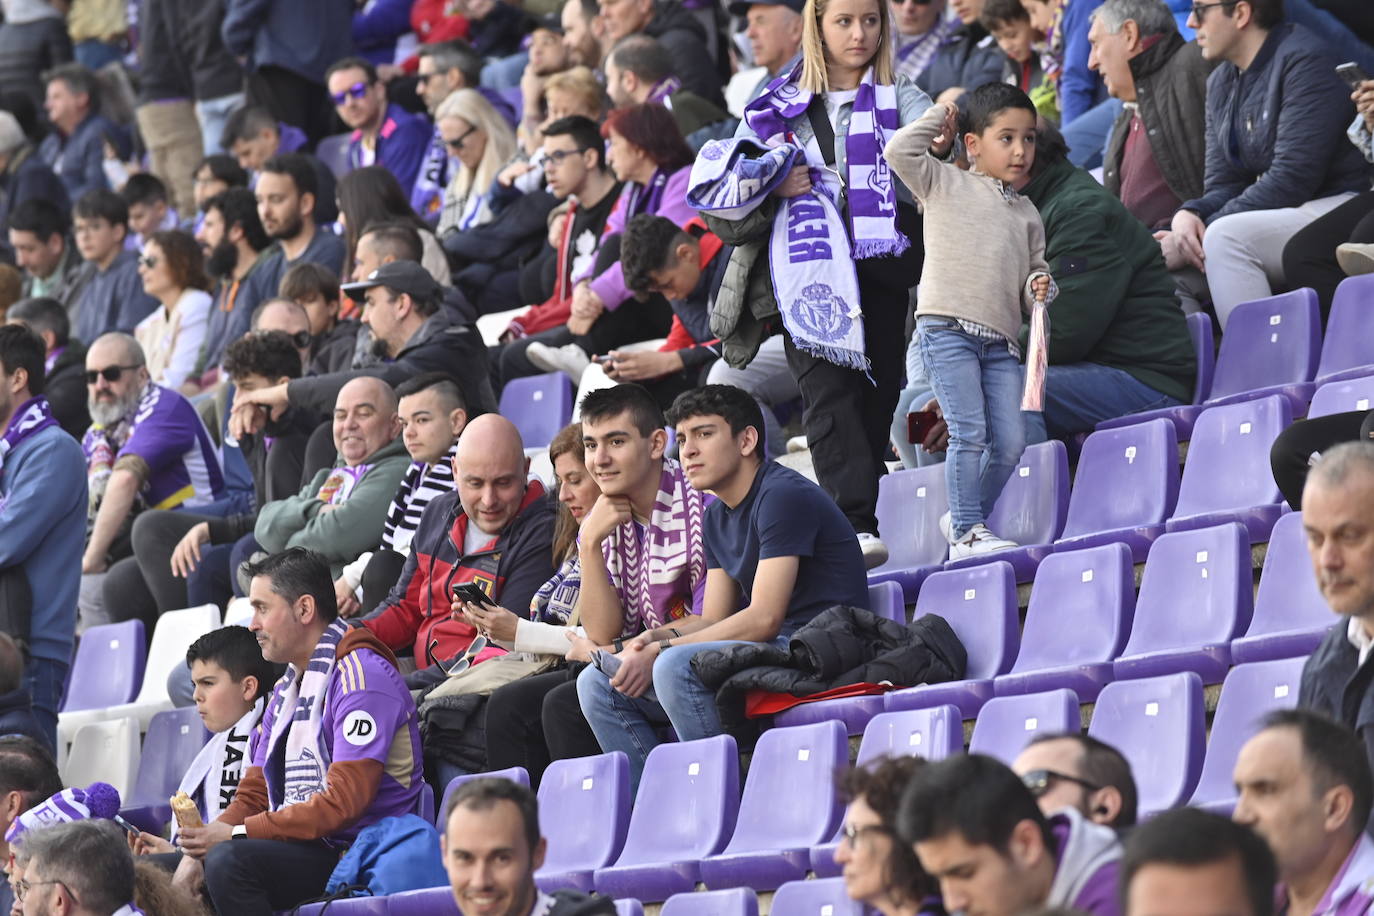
[298,717]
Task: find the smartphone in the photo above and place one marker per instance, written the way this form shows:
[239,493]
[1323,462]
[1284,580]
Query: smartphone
[919,423]
[1352,74]
[472,593]
[128,827]
[604,360]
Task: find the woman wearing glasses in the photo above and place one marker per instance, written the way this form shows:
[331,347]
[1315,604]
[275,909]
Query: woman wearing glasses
[172,269]
[479,143]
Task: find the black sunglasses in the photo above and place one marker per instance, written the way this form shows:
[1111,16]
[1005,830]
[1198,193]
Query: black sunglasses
[357,91]
[300,340]
[1039,781]
[109,373]
[1200,9]
[457,142]
[147,261]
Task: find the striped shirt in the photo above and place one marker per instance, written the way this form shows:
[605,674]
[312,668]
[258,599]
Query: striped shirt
[422,483]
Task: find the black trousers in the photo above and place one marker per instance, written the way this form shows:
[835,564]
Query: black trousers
[536,720]
[249,877]
[380,575]
[294,99]
[1309,258]
[1289,454]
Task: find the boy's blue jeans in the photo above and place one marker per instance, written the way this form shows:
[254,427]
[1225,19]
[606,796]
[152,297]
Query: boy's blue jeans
[978,384]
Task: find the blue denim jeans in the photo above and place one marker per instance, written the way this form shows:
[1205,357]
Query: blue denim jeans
[1078,396]
[46,680]
[621,723]
[978,383]
[913,397]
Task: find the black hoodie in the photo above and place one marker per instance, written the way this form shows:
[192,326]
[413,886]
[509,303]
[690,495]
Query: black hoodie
[684,38]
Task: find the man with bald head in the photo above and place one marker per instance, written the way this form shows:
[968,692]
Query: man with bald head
[494,531]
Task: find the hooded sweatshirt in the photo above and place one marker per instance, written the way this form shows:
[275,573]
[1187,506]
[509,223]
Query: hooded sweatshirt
[1087,859]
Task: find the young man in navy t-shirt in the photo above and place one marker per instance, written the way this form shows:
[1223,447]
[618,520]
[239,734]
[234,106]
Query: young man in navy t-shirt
[778,552]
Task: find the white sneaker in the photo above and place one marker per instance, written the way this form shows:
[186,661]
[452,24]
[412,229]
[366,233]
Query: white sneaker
[873,549]
[796,444]
[945,528]
[978,541]
[569,358]
[1355,259]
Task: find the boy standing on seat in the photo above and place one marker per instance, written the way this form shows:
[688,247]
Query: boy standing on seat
[985,262]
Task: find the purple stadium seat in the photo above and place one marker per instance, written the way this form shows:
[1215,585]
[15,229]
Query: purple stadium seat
[980,605]
[1125,488]
[108,667]
[1227,476]
[1007,724]
[1348,348]
[789,805]
[737,901]
[174,739]
[514,774]
[539,406]
[885,600]
[685,809]
[1271,346]
[1182,417]
[584,811]
[431,901]
[1159,725]
[333,152]
[629,907]
[425,803]
[823,897]
[1088,593]
[910,504]
[1248,693]
[355,906]
[1291,616]
[1343,394]
[1195,597]
[1030,510]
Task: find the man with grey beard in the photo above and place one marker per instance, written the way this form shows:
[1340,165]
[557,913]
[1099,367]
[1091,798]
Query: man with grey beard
[146,448]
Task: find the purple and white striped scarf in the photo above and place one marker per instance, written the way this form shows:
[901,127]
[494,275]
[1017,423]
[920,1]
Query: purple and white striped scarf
[33,416]
[297,718]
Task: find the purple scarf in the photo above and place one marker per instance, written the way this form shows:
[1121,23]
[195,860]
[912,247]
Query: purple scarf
[33,416]
[645,198]
[659,92]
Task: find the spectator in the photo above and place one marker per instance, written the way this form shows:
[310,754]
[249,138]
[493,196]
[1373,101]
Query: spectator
[880,871]
[11,286]
[253,135]
[637,72]
[977,830]
[966,59]
[432,415]
[1067,52]
[64,361]
[216,76]
[376,28]
[83,868]
[584,32]
[215,175]
[384,133]
[677,30]
[146,197]
[75,150]
[575,91]
[492,848]
[921,28]
[264,852]
[482,142]
[1305,788]
[112,296]
[24,176]
[33,40]
[332,339]
[284,76]
[775,539]
[496,31]
[27,777]
[444,68]
[1186,862]
[1263,185]
[173,272]
[371,196]
[1078,771]
[547,56]
[495,531]
[51,264]
[1336,500]
[232,237]
[165,113]
[1008,22]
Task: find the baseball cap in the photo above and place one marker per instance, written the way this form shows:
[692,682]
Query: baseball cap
[741,7]
[402,276]
[551,22]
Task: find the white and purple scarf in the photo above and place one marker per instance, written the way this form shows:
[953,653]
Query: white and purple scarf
[213,777]
[33,416]
[645,198]
[298,717]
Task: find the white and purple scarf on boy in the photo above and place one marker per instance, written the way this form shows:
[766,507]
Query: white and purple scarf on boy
[33,416]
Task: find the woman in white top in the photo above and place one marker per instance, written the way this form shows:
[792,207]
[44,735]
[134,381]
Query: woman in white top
[172,269]
[480,143]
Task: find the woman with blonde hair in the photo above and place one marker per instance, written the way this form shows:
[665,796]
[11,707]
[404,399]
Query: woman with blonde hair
[479,142]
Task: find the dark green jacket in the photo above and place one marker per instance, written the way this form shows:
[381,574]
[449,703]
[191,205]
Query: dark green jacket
[1117,306]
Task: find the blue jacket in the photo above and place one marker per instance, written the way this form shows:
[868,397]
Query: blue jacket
[17,718]
[111,300]
[968,58]
[402,143]
[377,26]
[77,159]
[1335,684]
[1276,132]
[303,37]
[43,530]
[1079,87]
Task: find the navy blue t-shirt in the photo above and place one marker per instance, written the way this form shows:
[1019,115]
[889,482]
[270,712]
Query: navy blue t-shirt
[786,515]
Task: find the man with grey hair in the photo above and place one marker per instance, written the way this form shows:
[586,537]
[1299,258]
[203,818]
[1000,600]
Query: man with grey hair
[638,71]
[76,148]
[23,174]
[82,868]
[1338,516]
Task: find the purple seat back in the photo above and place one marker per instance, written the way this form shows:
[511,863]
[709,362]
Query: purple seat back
[1349,341]
[1343,395]
[1204,349]
[1007,724]
[1248,693]
[910,504]
[425,803]
[629,906]
[789,797]
[1087,593]
[933,733]
[737,901]
[1228,457]
[687,802]
[1159,724]
[539,406]
[979,603]
[1288,597]
[333,152]
[352,906]
[584,811]
[514,774]
[174,738]
[1196,590]
[1127,478]
[108,668]
[821,897]
[431,901]
[1271,341]
[885,600]
[1032,505]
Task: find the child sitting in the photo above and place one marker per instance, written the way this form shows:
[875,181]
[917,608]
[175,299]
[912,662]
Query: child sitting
[1020,40]
[985,262]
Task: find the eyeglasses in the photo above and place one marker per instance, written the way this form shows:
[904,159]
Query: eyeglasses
[852,832]
[1039,781]
[109,373]
[147,261]
[356,91]
[917,2]
[457,142]
[1200,9]
[464,662]
[557,156]
[23,886]
[300,340]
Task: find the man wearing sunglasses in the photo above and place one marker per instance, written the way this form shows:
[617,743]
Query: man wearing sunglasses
[383,134]
[1077,771]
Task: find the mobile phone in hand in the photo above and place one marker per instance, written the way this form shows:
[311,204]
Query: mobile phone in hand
[919,423]
[1352,73]
[472,594]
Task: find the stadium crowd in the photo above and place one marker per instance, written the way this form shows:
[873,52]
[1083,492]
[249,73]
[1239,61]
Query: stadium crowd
[282,281]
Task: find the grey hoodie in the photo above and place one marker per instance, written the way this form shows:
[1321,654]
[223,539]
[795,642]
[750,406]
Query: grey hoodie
[1088,855]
